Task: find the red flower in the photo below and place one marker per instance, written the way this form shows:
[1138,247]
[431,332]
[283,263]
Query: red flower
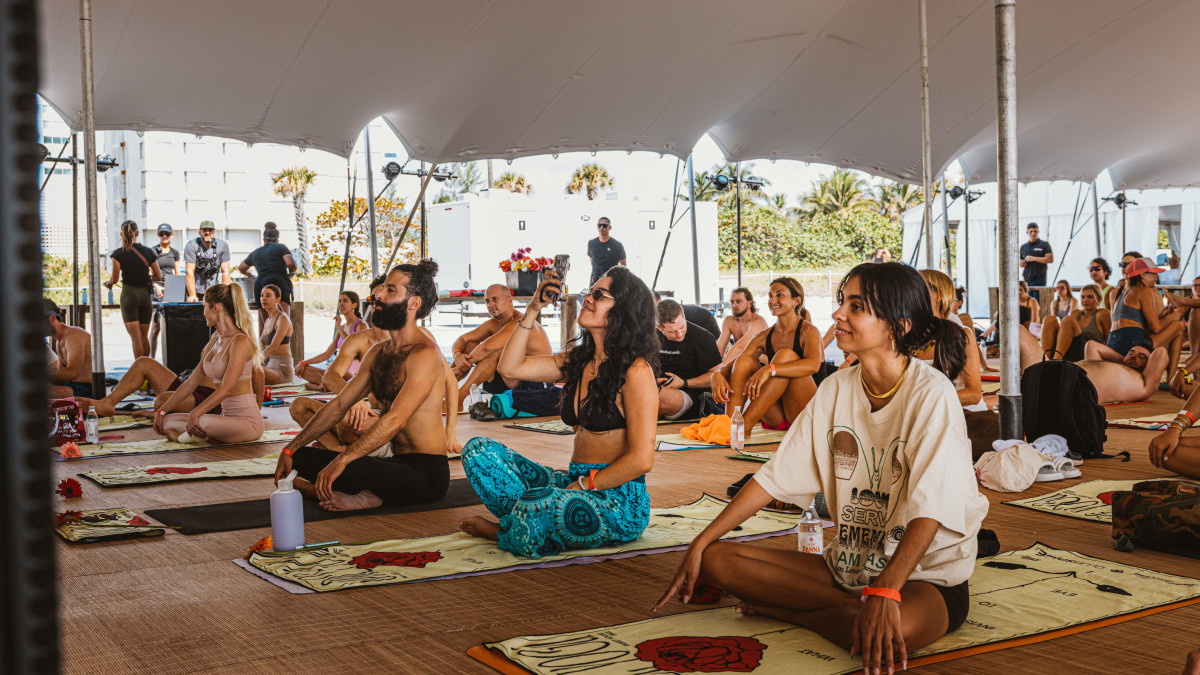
[684,654]
[67,517]
[137,520]
[176,469]
[535,266]
[705,594]
[69,487]
[264,544]
[70,450]
[1105,497]
[373,559]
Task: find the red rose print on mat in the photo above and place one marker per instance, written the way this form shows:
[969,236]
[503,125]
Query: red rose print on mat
[176,469]
[373,559]
[137,520]
[684,654]
[1105,497]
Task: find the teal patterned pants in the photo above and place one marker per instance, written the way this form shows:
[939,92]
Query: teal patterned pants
[538,515]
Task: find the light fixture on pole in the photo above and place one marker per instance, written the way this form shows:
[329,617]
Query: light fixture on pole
[722,182]
[1121,201]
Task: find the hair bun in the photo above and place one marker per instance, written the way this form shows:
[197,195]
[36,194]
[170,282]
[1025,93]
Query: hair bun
[428,266]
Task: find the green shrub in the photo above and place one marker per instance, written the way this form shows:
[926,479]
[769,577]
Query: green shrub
[771,241]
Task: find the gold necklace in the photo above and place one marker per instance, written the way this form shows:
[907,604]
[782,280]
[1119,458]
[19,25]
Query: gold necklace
[890,393]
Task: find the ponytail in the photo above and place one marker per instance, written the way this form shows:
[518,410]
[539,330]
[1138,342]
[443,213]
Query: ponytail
[233,299]
[949,345]
[129,232]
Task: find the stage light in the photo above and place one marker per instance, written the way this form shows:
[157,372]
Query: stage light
[391,170]
[956,192]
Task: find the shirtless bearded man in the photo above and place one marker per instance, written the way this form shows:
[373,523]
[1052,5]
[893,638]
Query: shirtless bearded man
[745,322]
[1134,377]
[406,374]
[480,348]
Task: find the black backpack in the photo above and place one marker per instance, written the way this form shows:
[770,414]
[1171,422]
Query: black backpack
[1058,398]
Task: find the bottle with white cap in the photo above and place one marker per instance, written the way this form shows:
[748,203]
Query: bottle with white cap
[92,426]
[811,532]
[287,516]
[737,429]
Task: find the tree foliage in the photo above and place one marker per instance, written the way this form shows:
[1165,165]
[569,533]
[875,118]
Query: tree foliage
[390,214]
[514,182]
[294,182]
[590,178]
[771,240]
[842,193]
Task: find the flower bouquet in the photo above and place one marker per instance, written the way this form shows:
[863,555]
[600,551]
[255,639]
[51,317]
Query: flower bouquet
[523,272]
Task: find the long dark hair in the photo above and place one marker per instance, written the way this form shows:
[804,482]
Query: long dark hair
[894,292]
[354,299]
[631,335]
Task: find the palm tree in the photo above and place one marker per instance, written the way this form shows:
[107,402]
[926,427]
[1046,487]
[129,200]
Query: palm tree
[705,192]
[739,172]
[590,178]
[893,199]
[467,178]
[514,182]
[842,193]
[294,182]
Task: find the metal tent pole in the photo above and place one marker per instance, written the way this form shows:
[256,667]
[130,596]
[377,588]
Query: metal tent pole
[76,315]
[1096,216]
[424,211]
[1006,144]
[408,221]
[28,597]
[371,205]
[926,143]
[350,185]
[93,225]
[738,186]
[945,231]
[691,176]
[965,227]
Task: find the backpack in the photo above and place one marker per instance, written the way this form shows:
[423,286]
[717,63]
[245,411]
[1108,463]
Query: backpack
[1058,398]
[1158,514]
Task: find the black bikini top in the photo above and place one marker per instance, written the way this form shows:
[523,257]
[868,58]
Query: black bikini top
[268,338]
[796,346]
[596,422]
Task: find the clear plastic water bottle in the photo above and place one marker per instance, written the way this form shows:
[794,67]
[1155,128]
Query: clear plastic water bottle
[476,394]
[737,429]
[811,532]
[287,516]
[92,426]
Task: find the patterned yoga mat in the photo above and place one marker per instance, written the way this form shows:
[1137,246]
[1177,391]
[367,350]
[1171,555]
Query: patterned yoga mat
[119,422]
[548,427]
[1090,500]
[402,561]
[1017,597]
[163,445]
[155,474]
[753,456]
[680,442]
[100,525]
[1149,422]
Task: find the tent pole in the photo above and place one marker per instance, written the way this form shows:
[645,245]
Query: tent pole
[350,185]
[945,231]
[965,228]
[1096,216]
[408,221]
[1006,144]
[1124,247]
[371,205]
[738,186]
[670,226]
[691,178]
[93,225]
[424,210]
[926,133]
[76,315]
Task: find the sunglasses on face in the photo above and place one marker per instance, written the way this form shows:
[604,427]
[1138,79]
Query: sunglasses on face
[604,227]
[1124,265]
[596,294]
[1094,268]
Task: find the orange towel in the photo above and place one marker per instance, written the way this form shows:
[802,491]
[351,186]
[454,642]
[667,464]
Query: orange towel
[712,429]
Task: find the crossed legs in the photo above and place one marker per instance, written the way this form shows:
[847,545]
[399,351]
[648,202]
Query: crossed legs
[780,399]
[144,370]
[303,409]
[483,372]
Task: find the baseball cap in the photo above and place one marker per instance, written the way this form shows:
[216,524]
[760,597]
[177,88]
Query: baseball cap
[165,228]
[1142,266]
[207,225]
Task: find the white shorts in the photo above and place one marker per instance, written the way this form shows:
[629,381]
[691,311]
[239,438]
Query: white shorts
[687,405]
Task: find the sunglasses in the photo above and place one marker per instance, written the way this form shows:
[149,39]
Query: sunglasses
[1124,265]
[1096,268]
[597,294]
[604,226]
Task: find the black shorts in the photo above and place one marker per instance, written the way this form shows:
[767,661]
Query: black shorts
[958,601]
[135,304]
[284,284]
[496,385]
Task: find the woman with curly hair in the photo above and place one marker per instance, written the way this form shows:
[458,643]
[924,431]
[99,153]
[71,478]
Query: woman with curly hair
[611,399]
[886,442]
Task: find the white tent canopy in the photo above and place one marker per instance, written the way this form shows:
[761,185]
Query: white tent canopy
[1102,83]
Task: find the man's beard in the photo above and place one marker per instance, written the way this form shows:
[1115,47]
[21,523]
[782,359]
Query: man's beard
[738,315]
[390,316]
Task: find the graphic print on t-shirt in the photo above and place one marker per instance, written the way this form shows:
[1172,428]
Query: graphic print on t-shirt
[878,478]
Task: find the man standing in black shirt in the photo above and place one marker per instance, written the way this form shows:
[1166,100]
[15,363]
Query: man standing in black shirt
[688,356]
[604,252]
[1035,256]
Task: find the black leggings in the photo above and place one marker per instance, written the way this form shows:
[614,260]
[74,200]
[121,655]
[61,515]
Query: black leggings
[401,479]
[957,599]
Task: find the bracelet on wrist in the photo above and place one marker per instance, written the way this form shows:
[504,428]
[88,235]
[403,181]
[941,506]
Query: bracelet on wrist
[888,593]
[592,478]
[522,325]
[1189,415]
[287,451]
[772,367]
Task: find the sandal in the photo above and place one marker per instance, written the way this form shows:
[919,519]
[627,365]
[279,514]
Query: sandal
[1066,466]
[1047,473]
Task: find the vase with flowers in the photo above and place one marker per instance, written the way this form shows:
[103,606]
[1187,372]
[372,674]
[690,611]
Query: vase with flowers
[524,272]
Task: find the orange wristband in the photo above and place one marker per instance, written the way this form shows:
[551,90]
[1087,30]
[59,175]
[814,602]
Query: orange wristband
[772,367]
[889,593]
[592,478]
[287,451]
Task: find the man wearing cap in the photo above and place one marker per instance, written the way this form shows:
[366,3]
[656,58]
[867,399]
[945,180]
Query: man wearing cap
[1035,256]
[204,258]
[604,252]
[168,260]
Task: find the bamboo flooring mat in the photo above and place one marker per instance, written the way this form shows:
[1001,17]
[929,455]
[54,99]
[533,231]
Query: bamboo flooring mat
[177,605]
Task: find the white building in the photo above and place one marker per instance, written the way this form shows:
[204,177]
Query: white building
[57,220]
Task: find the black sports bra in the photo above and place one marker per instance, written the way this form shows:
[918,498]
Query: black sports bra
[596,421]
[268,338]
[796,345]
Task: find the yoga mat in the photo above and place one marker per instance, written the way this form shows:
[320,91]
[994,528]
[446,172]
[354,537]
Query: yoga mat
[988,388]
[253,513]
[155,474]
[86,533]
[402,561]
[548,427]
[1090,500]
[163,445]
[1150,422]
[752,456]
[679,442]
[119,422]
[1017,597]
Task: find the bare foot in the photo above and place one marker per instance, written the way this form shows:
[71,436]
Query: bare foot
[344,502]
[102,409]
[305,488]
[172,435]
[480,527]
[144,414]
[779,613]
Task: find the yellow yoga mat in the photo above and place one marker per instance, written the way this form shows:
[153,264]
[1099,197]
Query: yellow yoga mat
[680,442]
[401,561]
[1149,422]
[155,474]
[90,450]
[1091,500]
[119,422]
[104,525]
[1017,597]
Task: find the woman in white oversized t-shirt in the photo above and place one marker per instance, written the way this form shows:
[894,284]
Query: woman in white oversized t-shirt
[885,440]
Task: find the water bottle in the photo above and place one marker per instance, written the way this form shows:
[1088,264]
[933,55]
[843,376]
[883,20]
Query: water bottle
[287,516]
[110,297]
[83,296]
[92,426]
[737,429]
[811,532]
[476,394]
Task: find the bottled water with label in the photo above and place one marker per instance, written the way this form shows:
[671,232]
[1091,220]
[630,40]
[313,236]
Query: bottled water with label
[811,532]
[737,429]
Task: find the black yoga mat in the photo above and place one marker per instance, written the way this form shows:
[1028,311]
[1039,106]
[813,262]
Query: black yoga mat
[257,512]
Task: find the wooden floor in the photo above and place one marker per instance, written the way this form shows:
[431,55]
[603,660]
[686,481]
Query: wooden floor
[178,605]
